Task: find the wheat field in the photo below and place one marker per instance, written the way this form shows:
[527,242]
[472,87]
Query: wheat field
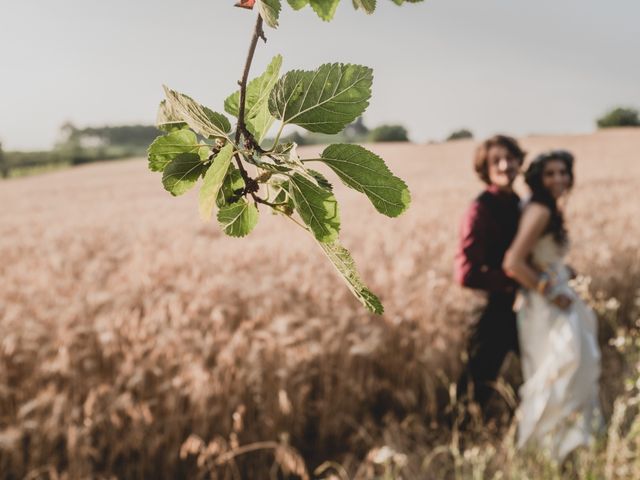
[137,341]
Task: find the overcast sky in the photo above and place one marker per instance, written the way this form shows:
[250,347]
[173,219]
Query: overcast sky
[515,66]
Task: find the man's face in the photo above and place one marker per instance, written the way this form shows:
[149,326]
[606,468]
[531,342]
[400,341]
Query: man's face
[503,167]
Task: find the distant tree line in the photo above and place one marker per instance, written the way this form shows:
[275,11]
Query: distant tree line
[130,135]
[461,134]
[4,169]
[356,132]
[620,117]
[82,145]
[104,143]
[91,144]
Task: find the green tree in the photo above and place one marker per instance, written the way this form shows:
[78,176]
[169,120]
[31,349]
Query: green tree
[620,117]
[121,135]
[68,146]
[4,168]
[460,134]
[357,129]
[241,172]
[389,133]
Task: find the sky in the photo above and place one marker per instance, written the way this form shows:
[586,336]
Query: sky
[513,66]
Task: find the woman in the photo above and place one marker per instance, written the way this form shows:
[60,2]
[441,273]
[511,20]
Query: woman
[559,408]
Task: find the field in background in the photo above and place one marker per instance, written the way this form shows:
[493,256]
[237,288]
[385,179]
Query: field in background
[139,342]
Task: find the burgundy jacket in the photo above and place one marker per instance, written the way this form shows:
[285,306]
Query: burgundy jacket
[488,228]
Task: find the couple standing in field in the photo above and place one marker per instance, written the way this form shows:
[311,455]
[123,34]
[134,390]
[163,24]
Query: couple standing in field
[508,248]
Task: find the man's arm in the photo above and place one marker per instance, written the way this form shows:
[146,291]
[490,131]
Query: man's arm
[472,270]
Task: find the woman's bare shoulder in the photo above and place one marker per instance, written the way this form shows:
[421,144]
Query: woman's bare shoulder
[534,219]
[534,211]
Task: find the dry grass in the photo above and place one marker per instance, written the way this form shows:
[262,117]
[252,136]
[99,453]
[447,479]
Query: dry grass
[137,342]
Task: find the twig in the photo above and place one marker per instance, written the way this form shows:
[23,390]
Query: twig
[242,129]
[257,33]
[257,199]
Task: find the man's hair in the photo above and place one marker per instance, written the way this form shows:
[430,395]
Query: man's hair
[481,159]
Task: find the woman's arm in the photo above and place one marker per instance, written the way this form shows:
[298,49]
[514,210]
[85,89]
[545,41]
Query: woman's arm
[532,225]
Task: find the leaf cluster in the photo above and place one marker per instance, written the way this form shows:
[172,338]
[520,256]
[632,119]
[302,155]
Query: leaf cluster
[199,144]
[325,9]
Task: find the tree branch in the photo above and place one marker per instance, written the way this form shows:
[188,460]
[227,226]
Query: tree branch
[257,199]
[258,32]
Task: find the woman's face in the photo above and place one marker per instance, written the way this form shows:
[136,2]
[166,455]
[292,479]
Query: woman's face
[556,178]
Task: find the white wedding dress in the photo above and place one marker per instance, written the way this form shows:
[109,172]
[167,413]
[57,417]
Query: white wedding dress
[559,408]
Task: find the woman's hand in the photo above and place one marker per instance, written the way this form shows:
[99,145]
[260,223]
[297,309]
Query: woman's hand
[562,301]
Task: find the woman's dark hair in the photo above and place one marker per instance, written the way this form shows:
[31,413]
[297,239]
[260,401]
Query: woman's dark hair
[539,194]
[481,159]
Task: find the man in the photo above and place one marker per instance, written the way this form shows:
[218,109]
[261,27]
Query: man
[488,229]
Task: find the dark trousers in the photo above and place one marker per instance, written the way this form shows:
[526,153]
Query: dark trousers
[492,337]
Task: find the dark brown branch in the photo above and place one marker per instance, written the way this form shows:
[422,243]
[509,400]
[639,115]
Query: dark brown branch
[257,33]
[242,129]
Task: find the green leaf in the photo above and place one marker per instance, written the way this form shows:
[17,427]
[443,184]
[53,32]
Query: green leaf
[201,119]
[317,207]
[282,198]
[368,6]
[257,116]
[182,173]
[204,151]
[213,180]
[343,261]
[324,8]
[298,4]
[167,147]
[231,184]
[273,168]
[283,192]
[287,153]
[320,179]
[366,172]
[270,10]
[325,100]
[238,219]
[168,119]
[260,122]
